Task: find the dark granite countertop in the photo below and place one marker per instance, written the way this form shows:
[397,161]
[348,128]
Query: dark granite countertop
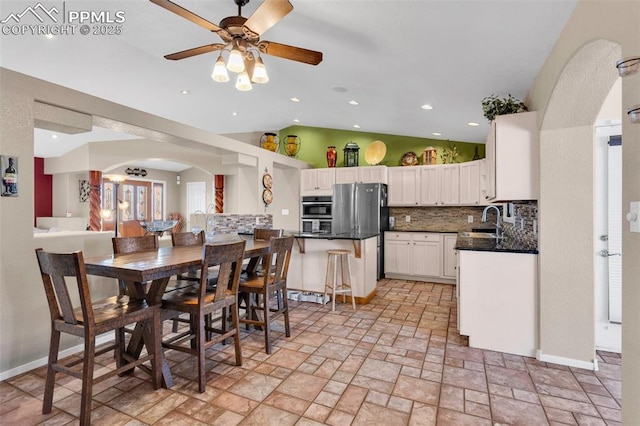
[502,245]
[436,231]
[341,236]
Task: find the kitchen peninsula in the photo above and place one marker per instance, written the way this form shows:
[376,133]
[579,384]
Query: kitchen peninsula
[308,265]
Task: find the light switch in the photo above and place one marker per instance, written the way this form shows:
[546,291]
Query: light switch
[634,216]
[285,212]
[407,218]
[470,218]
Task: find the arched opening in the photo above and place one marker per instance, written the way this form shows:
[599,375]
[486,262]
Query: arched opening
[567,186]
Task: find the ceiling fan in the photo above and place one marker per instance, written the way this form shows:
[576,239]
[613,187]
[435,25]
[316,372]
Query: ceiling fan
[243,34]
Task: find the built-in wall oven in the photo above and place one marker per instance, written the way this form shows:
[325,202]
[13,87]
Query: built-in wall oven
[316,214]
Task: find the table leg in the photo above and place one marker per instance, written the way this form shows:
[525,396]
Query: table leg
[143,334]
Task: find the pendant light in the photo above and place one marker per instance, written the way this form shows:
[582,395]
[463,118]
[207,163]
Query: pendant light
[235,62]
[220,73]
[243,83]
[259,75]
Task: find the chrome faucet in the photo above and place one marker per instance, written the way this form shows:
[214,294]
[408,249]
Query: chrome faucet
[498,221]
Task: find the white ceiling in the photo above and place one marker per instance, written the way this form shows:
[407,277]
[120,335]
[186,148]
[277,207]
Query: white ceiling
[391,56]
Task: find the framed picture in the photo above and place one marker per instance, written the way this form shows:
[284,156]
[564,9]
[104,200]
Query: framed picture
[9,168]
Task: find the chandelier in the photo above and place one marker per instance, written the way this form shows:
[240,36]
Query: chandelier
[244,59]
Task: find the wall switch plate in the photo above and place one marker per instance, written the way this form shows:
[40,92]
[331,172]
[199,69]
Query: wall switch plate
[285,212]
[470,218]
[634,216]
[407,218]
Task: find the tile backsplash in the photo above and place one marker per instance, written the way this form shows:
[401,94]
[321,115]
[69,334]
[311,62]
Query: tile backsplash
[227,223]
[524,230]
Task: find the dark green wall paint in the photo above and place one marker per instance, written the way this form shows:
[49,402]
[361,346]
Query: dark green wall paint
[315,140]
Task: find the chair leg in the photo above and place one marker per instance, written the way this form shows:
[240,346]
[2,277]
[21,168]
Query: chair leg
[54,345]
[200,348]
[120,346]
[285,312]
[236,338]
[326,279]
[87,379]
[267,328]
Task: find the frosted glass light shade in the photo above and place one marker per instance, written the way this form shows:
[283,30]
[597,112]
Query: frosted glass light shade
[235,62]
[243,83]
[220,73]
[260,75]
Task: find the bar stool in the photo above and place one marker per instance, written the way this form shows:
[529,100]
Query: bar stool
[334,258]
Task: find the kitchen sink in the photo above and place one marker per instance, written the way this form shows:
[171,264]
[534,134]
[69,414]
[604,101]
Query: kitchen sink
[479,235]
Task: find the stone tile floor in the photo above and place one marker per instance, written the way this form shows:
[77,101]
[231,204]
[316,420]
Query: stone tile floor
[396,361]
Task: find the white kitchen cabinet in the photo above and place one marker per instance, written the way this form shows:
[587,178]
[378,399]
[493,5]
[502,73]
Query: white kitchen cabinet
[497,301]
[397,252]
[470,183]
[404,186]
[512,152]
[449,263]
[415,256]
[364,174]
[429,185]
[449,184]
[317,181]
[440,185]
[426,255]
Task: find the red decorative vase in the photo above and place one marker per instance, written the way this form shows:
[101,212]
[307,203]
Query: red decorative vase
[331,156]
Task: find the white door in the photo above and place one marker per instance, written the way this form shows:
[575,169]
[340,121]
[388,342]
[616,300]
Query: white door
[196,200]
[607,238]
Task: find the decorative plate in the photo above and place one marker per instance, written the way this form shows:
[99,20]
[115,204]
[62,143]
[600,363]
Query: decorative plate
[409,159]
[267,181]
[375,152]
[267,196]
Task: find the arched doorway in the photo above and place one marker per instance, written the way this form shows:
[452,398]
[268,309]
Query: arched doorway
[566,241]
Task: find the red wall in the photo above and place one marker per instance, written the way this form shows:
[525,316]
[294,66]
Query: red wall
[43,191]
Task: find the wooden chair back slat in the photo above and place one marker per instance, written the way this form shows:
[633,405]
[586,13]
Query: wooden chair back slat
[125,245]
[229,258]
[280,249]
[265,234]
[55,269]
[187,239]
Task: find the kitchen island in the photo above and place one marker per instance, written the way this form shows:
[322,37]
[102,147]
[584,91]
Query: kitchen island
[497,290]
[308,265]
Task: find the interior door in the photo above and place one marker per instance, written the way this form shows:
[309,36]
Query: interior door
[196,199]
[607,238]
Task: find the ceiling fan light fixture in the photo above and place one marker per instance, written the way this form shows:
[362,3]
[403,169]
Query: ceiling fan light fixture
[243,83]
[260,75]
[220,73]
[236,61]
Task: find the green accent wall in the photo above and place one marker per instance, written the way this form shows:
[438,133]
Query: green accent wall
[315,140]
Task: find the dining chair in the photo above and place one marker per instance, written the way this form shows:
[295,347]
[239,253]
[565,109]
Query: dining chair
[200,303]
[271,284]
[188,239]
[127,245]
[87,321]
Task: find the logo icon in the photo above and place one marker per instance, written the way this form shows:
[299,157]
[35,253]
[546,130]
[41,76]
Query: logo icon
[38,11]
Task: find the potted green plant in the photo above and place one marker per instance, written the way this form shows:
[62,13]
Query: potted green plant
[495,105]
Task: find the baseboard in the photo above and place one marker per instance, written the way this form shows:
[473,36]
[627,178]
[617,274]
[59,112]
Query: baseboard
[569,362]
[44,360]
[437,280]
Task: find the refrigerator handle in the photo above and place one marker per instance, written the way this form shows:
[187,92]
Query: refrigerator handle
[355,212]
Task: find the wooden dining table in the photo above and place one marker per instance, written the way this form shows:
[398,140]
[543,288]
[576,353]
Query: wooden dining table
[157,267]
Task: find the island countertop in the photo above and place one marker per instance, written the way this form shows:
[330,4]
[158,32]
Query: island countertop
[356,236]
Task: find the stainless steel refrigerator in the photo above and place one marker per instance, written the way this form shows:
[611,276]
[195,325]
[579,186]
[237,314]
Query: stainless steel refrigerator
[362,208]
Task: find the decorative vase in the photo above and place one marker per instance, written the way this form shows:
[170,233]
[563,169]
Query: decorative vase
[270,142]
[292,145]
[331,156]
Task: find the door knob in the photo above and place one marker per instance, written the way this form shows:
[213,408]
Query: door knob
[605,253]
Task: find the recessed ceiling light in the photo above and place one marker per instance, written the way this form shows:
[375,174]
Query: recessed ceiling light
[294,99]
[354,102]
[234,113]
[436,134]
[295,120]
[356,126]
[54,136]
[473,124]
[426,106]
[184,92]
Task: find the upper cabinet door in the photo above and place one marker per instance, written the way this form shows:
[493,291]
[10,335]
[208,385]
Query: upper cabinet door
[404,186]
[317,181]
[470,183]
[513,158]
[347,175]
[430,185]
[449,184]
[373,174]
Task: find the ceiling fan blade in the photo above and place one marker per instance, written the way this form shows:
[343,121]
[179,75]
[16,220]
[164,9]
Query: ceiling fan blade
[290,52]
[266,16]
[195,51]
[181,11]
